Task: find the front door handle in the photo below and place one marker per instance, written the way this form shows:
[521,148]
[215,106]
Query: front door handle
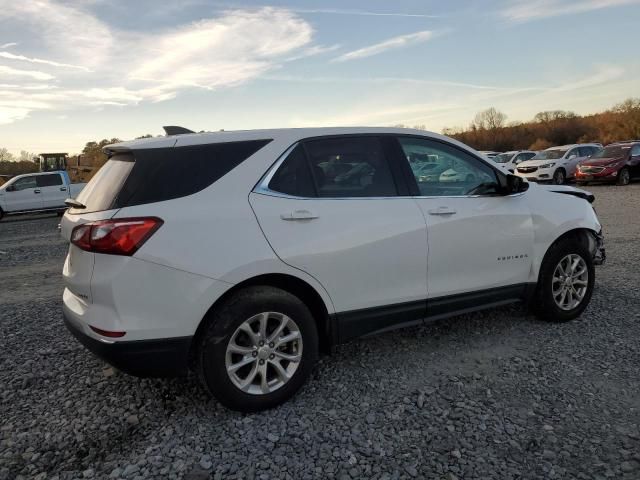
[298,215]
[36,191]
[63,189]
[442,211]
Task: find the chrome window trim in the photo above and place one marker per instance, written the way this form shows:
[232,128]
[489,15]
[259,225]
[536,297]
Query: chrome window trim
[262,187]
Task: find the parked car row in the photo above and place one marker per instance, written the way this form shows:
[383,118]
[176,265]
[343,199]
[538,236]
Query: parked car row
[584,163]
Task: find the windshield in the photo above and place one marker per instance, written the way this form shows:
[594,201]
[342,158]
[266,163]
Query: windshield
[549,155]
[503,157]
[612,151]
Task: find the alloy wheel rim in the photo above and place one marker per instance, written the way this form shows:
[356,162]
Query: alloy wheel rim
[264,353]
[559,176]
[625,177]
[570,281]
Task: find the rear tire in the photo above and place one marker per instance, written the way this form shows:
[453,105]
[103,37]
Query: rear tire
[234,335]
[548,302]
[559,177]
[624,178]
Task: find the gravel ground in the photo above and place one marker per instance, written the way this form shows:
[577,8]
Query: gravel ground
[495,395]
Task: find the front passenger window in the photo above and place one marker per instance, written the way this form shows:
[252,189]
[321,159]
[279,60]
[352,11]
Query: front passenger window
[443,170]
[25,183]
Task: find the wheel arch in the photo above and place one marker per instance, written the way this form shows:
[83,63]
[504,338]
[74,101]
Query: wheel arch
[584,235]
[289,283]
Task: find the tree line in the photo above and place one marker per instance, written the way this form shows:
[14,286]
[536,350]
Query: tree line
[489,129]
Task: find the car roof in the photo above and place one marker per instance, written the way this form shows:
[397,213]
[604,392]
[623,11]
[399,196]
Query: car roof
[572,145]
[285,134]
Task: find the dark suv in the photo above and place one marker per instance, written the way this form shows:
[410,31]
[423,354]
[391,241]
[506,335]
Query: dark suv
[617,162]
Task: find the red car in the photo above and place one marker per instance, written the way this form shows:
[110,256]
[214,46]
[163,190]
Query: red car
[618,162]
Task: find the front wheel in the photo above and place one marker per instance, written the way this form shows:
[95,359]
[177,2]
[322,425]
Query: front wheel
[623,177]
[258,349]
[565,282]
[559,177]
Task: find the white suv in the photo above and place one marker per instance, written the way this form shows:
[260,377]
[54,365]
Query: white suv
[556,164]
[242,255]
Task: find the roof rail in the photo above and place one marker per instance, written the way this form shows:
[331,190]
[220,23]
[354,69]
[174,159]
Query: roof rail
[175,130]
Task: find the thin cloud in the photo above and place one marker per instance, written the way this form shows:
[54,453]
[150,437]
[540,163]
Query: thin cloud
[8,45]
[390,44]
[33,74]
[365,13]
[528,10]
[230,49]
[11,56]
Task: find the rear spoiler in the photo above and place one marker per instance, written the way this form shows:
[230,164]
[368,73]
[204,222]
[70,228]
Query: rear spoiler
[175,130]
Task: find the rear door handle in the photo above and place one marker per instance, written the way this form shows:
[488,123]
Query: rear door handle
[442,211]
[36,191]
[298,215]
[63,189]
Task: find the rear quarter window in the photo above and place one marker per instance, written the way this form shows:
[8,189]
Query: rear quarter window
[169,173]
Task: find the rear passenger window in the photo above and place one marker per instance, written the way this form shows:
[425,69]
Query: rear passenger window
[294,177]
[350,167]
[49,180]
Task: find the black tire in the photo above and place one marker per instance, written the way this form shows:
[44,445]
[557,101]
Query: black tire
[559,177]
[219,329]
[624,177]
[543,303]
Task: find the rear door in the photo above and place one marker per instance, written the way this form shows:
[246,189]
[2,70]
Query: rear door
[332,208]
[52,190]
[25,195]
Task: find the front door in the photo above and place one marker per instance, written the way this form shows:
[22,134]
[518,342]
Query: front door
[332,209]
[25,195]
[479,240]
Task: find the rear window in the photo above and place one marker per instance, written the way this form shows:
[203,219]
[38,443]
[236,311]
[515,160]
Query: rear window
[159,174]
[102,189]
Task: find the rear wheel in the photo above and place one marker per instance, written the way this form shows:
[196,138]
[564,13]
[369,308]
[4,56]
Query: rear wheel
[624,178]
[258,349]
[565,282]
[559,177]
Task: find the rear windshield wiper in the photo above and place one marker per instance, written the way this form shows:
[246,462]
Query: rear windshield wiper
[70,202]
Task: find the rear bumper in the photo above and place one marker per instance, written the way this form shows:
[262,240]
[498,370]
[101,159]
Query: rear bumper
[166,357]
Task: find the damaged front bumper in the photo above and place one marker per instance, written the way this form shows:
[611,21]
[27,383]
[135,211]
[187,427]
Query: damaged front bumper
[599,254]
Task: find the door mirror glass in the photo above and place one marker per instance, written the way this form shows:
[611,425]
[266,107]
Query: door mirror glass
[516,184]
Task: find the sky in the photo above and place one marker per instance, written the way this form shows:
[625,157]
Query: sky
[72,71]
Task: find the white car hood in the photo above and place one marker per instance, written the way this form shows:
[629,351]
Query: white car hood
[578,192]
[537,163]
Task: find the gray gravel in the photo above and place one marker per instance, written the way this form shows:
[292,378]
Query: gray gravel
[495,395]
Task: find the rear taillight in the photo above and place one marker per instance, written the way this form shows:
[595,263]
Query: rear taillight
[119,236]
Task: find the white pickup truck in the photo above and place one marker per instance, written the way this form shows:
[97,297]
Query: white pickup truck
[37,192]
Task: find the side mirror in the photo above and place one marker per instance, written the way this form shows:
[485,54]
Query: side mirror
[516,184]
[10,188]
